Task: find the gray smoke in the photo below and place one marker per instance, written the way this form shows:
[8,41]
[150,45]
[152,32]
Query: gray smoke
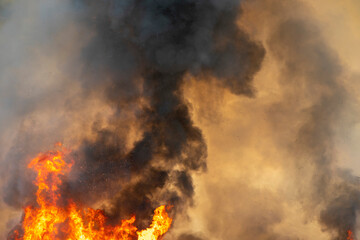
[138,56]
[310,64]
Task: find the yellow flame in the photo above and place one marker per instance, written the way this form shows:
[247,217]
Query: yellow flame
[48,221]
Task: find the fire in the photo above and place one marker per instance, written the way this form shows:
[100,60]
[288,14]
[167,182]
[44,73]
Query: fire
[49,221]
[350,235]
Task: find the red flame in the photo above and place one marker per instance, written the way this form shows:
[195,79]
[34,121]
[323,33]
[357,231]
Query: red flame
[48,221]
[350,235]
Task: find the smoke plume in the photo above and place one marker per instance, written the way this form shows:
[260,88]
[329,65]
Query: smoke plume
[259,96]
[138,56]
[307,60]
[145,49]
[304,110]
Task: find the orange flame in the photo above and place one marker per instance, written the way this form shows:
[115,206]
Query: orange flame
[350,235]
[48,221]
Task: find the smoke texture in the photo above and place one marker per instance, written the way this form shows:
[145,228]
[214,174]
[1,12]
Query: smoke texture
[146,48]
[138,56]
[305,112]
[148,94]
[306,59]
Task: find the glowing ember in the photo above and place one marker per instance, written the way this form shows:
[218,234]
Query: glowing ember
[49,221]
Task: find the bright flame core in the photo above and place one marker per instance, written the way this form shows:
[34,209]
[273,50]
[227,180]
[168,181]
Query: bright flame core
[49,221]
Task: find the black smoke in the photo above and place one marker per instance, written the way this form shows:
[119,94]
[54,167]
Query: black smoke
[139,56]
[146,48]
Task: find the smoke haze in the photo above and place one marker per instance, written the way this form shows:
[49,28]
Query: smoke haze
[241,114]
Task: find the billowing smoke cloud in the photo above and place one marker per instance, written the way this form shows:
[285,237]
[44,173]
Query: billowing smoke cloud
[303,108]
[145,49]
[138,56]
[309,63]
[134,87]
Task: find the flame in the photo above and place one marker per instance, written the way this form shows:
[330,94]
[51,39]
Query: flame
[49,221]
[350,235]
[158,226]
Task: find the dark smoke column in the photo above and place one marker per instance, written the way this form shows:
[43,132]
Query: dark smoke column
[143,49]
